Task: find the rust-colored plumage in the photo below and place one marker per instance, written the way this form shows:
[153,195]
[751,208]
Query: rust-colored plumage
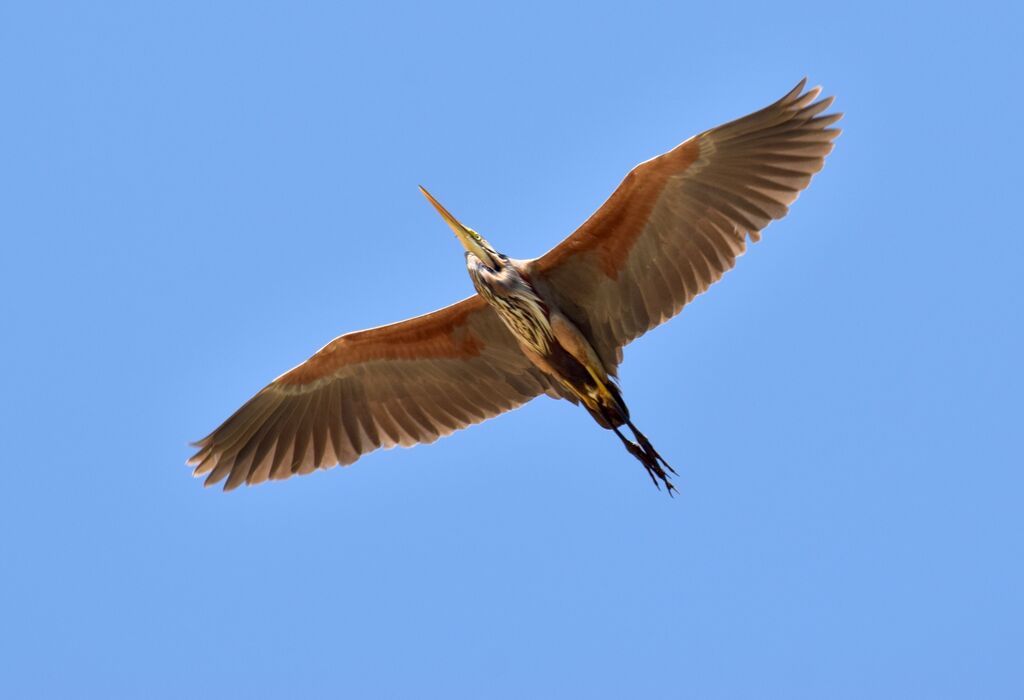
[673,227]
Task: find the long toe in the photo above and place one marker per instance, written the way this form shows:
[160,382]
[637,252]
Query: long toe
[650,472]
[669,486]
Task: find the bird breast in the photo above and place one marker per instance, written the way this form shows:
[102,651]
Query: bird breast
[517,304]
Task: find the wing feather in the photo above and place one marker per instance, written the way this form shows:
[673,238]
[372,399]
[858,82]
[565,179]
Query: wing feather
[678,222]
[407,383]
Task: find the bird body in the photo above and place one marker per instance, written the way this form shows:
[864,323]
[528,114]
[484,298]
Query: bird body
[550,340]
[553,325]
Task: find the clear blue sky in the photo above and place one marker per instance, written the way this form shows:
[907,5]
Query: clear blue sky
[193,199]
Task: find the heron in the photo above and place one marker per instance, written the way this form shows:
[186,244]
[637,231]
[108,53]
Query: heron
[553,325]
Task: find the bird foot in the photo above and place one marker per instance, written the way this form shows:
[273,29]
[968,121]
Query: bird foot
[650,459]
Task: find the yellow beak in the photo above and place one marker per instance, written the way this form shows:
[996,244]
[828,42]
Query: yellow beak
[466,236]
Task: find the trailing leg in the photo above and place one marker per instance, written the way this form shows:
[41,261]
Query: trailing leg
[649,457]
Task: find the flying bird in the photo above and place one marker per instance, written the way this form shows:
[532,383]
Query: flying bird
[552,325]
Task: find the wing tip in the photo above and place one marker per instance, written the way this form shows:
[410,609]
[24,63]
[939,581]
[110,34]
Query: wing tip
[797,90]
[801,94]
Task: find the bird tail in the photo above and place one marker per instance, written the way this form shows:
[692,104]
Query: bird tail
[657,468]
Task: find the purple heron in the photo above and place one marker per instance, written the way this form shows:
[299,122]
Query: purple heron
[553,325]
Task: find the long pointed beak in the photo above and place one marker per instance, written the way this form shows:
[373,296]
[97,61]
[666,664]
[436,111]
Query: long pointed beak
[464,234]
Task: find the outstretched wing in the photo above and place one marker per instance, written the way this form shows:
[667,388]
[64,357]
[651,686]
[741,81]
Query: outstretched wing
[678,222]
[402,384]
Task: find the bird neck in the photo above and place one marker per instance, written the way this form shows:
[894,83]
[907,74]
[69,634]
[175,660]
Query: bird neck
[517,303]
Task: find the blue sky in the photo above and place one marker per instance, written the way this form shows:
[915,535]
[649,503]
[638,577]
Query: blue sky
[195,198]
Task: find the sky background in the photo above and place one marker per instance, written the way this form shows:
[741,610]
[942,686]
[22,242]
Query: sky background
[194,198]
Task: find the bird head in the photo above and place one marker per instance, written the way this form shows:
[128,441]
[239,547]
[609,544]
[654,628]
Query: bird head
[472,241]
